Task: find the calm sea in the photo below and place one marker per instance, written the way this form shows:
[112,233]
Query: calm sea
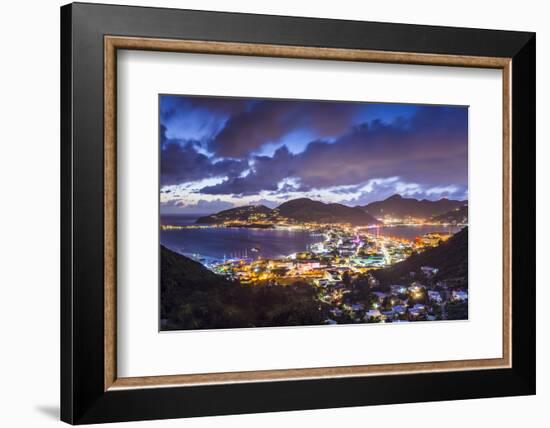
[233,242]
[218,243]
[411,232]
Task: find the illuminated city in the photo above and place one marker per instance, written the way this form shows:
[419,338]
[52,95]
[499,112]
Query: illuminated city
[346,257]
[261,234]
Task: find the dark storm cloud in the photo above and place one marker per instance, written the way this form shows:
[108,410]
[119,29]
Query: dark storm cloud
[174,104]
[430,148]
[266,173]
[270,120]
[181,162]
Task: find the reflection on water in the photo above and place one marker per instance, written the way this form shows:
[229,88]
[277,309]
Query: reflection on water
[411,232]
[219,243]
[234,242]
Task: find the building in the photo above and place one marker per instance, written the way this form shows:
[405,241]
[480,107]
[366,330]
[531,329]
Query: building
[400,309]
[459,295]
[372,314]
[398,289]
[418,311]
[429,271]
[336,312]
[380,295]
[435,296]
[304,266]
[333,276]
[321,282]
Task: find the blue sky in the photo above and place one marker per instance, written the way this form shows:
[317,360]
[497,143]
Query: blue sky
[217,152]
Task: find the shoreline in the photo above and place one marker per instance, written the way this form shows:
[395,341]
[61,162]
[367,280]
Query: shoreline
[251,254]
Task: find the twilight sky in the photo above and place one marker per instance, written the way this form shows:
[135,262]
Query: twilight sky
[217,153]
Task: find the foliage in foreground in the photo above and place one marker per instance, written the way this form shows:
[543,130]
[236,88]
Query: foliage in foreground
[192,297]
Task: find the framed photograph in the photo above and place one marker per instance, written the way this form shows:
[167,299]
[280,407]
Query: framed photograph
[266,213]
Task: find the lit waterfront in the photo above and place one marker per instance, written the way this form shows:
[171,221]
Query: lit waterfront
[334,259]
[237,242]
[183,235]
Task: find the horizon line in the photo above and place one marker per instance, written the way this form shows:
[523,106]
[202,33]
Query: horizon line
[314,200]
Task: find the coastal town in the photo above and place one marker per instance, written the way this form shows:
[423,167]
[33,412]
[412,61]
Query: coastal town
[342,268]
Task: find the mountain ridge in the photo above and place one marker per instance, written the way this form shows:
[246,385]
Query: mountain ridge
[306,210]
[456,216]
[236,214]
[311,211]
[302,210]
[450,258]
[396,206]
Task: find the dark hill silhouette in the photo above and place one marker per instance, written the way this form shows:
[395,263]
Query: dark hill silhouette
[193,297]
[301,210]
[456,216]
[237,214]
[399,207]
[310,211]
[450,257]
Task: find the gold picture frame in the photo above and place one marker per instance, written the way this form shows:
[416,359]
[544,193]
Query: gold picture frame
[114,43]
